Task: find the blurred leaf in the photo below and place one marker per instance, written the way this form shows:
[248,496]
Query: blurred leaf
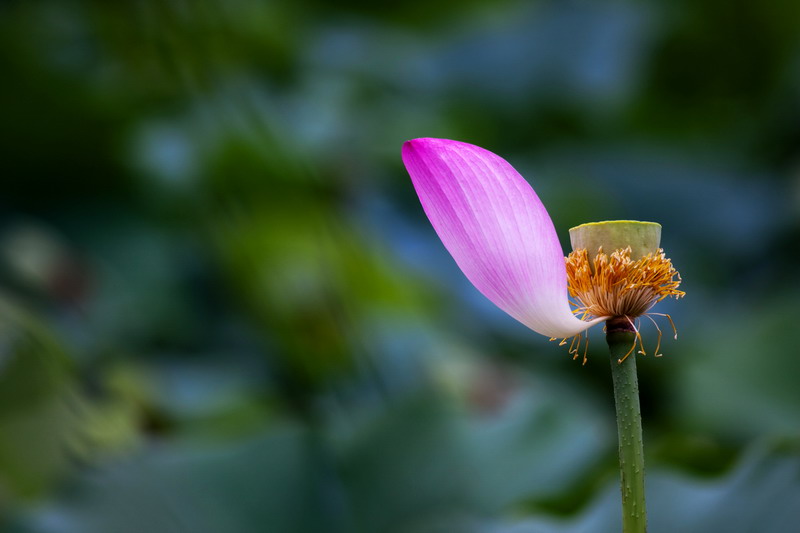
[422,463]
[741,377]
[37,405]
[47,423]
[761,495]
[265,483]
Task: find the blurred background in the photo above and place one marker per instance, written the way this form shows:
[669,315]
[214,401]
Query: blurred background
[222,308]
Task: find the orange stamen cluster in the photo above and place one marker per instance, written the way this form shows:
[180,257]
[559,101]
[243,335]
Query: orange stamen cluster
[617,286]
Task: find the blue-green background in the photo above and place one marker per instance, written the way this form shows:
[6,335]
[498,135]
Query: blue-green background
[223,310]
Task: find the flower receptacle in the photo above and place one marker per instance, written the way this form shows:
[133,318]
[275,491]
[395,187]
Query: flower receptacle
[643,237]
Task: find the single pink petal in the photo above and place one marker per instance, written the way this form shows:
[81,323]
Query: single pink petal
[496,229]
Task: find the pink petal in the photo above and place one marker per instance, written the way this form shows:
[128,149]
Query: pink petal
[496,229]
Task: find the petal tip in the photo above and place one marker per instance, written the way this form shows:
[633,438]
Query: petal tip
[409,147]
[417,148]
[426,142]
[432,146]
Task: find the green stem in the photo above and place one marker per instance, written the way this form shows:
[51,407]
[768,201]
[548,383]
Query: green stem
[629,427]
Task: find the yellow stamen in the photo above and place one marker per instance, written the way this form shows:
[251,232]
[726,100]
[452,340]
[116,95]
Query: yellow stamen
[616,286]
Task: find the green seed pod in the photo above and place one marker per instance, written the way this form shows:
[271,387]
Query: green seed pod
[643,237]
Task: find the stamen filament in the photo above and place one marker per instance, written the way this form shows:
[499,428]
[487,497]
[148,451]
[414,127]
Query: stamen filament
[658,343]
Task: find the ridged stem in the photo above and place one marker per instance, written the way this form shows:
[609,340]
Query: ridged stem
[629,426]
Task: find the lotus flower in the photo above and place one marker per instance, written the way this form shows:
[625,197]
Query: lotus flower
[502,238]
[497,230]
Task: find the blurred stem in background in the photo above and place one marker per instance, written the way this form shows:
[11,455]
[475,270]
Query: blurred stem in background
[621,338]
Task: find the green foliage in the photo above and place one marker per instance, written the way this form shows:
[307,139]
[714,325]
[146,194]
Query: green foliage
[222,308]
